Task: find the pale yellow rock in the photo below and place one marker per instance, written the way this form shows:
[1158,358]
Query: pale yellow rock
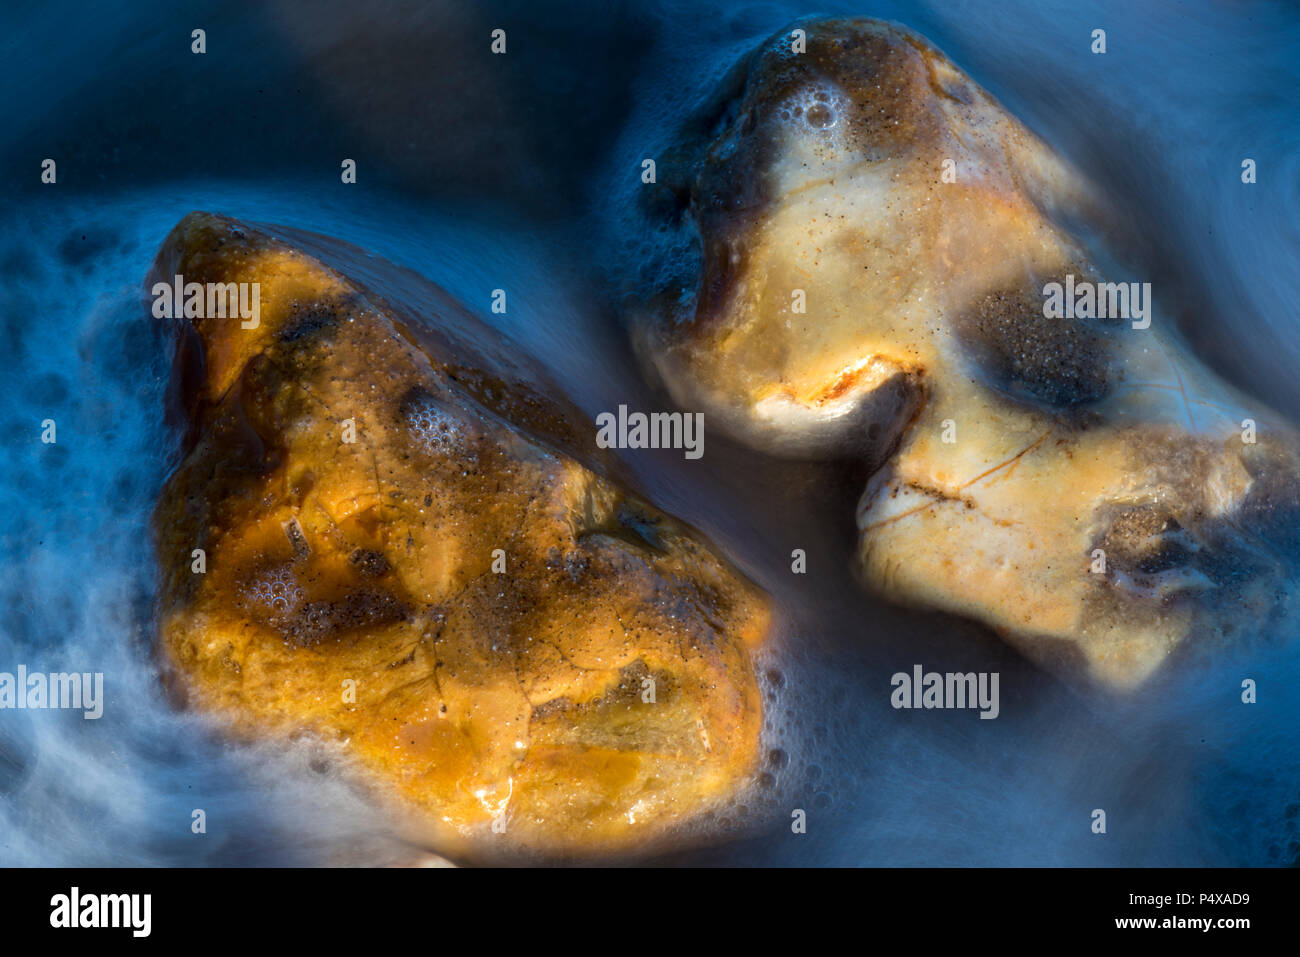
[873,238]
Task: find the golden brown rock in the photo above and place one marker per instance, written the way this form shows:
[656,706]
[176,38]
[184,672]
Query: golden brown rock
[520,698]
[850,254]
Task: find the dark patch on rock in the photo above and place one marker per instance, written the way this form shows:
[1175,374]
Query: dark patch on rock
[318,621]
[1144,539]
[308,321]
[368,562]
[1056,362]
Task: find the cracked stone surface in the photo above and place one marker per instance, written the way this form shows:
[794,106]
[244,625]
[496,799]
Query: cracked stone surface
[516,698]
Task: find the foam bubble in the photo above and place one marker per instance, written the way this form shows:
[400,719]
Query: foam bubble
[276,589]
[819,108]
[437,430]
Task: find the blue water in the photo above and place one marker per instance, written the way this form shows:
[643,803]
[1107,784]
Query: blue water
[482,172]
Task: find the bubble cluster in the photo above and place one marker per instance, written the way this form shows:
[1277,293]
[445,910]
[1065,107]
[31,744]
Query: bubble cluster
[276,589]
[435,429]
[817,108]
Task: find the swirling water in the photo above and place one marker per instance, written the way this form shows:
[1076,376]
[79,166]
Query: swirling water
[482,173]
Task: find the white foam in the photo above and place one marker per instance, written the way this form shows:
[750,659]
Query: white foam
[438,431]
[276,590]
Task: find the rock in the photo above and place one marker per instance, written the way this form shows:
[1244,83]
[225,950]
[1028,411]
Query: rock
[503,640]
[850,253]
